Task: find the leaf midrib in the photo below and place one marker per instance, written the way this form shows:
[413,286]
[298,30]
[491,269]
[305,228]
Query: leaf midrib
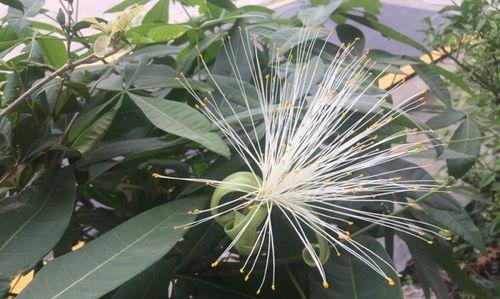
[49,195]
[115,255]
[193,133]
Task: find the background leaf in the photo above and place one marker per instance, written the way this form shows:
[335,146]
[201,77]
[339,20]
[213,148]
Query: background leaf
[53,51]
[460,142]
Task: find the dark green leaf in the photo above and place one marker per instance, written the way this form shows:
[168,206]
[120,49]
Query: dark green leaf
[351,278]
[349,34]
[385,30]
[181,120]
[92,135]
[454,78]
[427,269]
[33,221]
[14,4]
[466,139]
[432,78]
[115,257]
[445,119]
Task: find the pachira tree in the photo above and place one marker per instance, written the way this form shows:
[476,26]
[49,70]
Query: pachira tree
[241,153]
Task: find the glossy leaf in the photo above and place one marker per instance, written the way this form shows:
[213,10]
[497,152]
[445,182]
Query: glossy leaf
[432,78]
[181,120]
[116,256]
[466,139]
[445,119]
[33,221]
[92,135]
[317,15]
[371,22]
[351,278]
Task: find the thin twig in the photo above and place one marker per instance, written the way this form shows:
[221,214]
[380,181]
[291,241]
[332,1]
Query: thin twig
[66,67]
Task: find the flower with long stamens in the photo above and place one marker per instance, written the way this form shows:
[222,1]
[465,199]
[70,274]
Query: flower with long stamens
[306,147]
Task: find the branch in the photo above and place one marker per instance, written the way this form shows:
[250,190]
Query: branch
[66,67]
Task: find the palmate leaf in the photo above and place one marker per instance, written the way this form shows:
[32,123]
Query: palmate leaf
[440,205]
[33,221]
[115,257]
[351,278]
[53,51]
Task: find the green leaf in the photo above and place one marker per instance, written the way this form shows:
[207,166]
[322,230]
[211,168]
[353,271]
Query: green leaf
[33,221]
[351,278]
[125,4]
[460,142]
[371,22]
[440,206]
[349,34]
[317,15]
[445,119]
[181,120]
[230,88]
[53,51]
[454,78]
[288,38]
[20,20]
[427,269]
[154,33]
[115,257]
[226,4]
[157,14]
[14,4]
[92,135]
[151,283]
[443,255]
[432,78]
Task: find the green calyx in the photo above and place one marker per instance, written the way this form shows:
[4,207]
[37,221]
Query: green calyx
[234,222]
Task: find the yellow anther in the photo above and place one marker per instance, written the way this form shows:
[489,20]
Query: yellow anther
[400,275]
[338,253]
[247,277]
[390,281]
[214,264]
[347,233]
[430,242]
[190,212]
[448,238]
[177,78]
[350,223]
[196,210]
[185,228]
[258,292]
[421,233]
[155,175]
[175,227]
[325,284]
[273,287]
[412,204]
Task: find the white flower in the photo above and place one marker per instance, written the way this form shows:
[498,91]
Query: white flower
[311,161]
